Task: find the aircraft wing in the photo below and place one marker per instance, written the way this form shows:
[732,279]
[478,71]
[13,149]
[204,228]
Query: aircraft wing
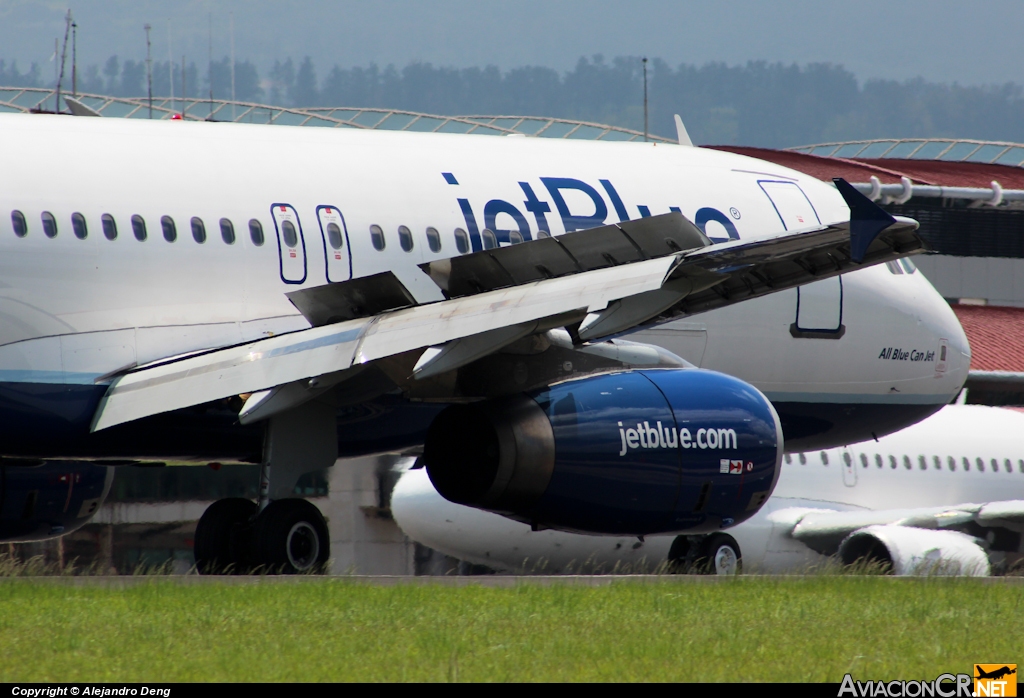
[596,283]
[824,530]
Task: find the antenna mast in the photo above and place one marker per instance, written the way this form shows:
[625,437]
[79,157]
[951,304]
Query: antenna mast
[149,71]
[74,58]
[232,15]
[63,56]
[645,99]
[209,70]
[170,65]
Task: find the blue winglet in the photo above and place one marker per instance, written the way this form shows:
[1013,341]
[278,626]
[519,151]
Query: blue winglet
[867,219]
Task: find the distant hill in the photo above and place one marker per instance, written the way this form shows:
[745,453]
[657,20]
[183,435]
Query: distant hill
[758,104]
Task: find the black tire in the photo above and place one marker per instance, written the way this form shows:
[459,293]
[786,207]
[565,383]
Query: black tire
[719,554]
[218,548]
[678,556]
[290,537]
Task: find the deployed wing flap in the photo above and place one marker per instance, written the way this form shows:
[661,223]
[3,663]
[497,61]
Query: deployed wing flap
[248,368]
[276,361]
[362,297]
[572,253]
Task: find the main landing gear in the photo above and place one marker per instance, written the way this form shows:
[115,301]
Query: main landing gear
[716,553]
[280,534]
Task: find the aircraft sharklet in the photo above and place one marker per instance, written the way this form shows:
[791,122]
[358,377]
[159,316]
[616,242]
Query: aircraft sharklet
[572,253]
[347,300]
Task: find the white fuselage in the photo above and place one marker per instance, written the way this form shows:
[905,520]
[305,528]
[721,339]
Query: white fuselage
[73,310]
[963,453]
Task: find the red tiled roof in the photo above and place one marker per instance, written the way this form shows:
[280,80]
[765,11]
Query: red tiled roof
[996,335]
[889,170]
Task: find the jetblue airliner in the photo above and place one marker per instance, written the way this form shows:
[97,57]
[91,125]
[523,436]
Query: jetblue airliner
[186,293]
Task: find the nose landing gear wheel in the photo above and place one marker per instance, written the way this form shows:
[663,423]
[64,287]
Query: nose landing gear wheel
[219,540]
[290,536]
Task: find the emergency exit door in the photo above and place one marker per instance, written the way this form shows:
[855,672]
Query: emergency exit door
[291,245]
[337,252]
[819,306]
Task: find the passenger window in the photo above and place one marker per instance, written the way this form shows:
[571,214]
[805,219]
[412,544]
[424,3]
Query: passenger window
[433,240]
[1008,466]
[863,460]
[967,463]
[256,232]
[405,238]
[49,224]
[894,267]
[951,462]
[291,237]
[170,231]
[909,265]
[803,459]
[846,458]
[906,462]
[1020,466]
[824,458]
[995,465]
[892,462]
[139,227]
[938,462]
[543,234]
[461,241]
[78,226]
[515,237]
[490,242]
[227,231]
[334,236]
[878,459]
[19,223]
[198,230]
[377,237]
[109,226]
[980,463]
[922,463]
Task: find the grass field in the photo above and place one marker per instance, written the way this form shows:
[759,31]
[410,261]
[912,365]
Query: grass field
[757,629]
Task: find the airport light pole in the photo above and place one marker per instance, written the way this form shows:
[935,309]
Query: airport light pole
[645,99]
[149,70]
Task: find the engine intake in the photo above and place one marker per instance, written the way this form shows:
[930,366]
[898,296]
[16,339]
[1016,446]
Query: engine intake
[635,452]
[916,551]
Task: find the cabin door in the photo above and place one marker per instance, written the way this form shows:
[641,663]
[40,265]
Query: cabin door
[291,246]
[337,253]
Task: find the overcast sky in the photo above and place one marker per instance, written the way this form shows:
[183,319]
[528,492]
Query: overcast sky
[940,40]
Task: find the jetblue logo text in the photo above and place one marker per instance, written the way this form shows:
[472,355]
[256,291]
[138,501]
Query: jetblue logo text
[658,436]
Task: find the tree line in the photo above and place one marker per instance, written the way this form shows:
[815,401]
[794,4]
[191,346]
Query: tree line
[758,103]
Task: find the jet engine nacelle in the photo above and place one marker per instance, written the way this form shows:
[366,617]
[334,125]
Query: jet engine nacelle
[636,452]
[912,551]
[38,502]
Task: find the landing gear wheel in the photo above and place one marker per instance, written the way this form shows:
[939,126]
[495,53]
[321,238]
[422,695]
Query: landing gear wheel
[290,537]
[219,546]
[719,554]
[678,556]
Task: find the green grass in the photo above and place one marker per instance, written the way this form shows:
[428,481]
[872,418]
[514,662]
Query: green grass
[757,629]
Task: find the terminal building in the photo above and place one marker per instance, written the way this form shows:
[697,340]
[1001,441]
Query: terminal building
[968,196]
